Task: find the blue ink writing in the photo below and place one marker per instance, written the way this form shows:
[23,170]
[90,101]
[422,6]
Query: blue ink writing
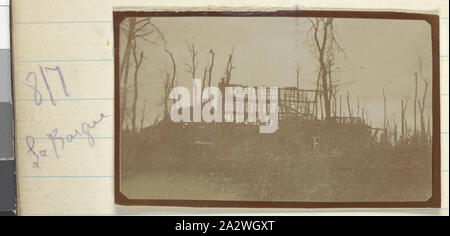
[44,73]
[34,86]
[30,143]
[58,142]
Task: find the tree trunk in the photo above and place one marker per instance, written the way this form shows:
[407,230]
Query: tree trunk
[125,68]
[143,117]
[384,102]
[358,108]
[321,108]
[317,95]
[326,97]
[422,110]
[415,105]
[138,62]
[204,78]
[211,67]
[403,122]
[350,113]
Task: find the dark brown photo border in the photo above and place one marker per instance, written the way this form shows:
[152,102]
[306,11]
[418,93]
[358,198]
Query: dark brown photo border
[433,20]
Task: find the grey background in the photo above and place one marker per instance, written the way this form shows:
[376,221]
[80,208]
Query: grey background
[6,111]
[7,186]
[5,76]
[6,131]
[7,168]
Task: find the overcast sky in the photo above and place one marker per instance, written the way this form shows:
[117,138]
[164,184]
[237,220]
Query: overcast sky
[379,53]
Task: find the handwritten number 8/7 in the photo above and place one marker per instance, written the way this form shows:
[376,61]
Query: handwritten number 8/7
[32,80]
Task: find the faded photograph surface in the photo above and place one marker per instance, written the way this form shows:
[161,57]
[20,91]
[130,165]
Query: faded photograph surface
[283,109]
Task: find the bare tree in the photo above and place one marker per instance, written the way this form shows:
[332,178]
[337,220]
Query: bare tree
[167,86]
[406,131]
[329,70]
[137,63]
[168,78]
[368,122]
[321,108]
[326,47]
[385,109]
[415,103]
[143,116]
[318,93]
[124,68]
[299,69]
[204,78]
[333,86]
[404,124]
[395,134]
[363,118]
[192,67]
[213,55]
[229,68]
[350,112]
[335,104]
[136,29]
[422,104]
[357,104]
[388,132]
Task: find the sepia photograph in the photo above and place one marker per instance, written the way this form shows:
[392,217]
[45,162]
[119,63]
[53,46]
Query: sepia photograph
[277,109]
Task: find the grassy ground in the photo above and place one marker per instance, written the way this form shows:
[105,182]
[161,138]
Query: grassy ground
[191,163]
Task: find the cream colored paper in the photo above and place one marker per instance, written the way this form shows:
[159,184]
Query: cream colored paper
[77,37]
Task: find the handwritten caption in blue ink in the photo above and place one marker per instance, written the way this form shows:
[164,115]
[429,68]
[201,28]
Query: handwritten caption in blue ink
[33,83]
[57,141]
